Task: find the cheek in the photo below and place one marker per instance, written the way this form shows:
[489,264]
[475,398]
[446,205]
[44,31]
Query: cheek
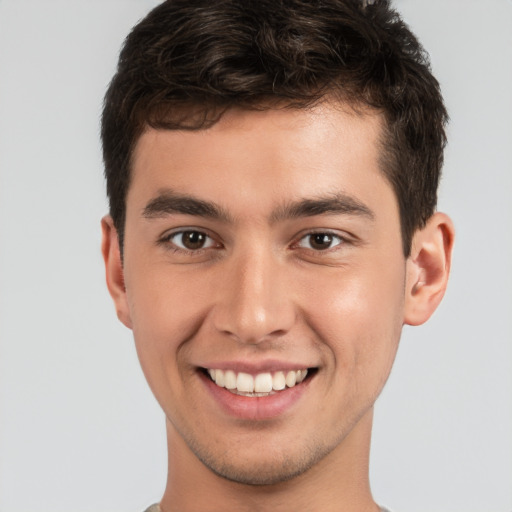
[165,302]
[358,316]
[165,312]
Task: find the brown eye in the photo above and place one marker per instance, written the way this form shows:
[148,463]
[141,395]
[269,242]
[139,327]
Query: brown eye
[191,240]
[320,241]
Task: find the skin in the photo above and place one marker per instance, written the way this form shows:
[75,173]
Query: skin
[260,290]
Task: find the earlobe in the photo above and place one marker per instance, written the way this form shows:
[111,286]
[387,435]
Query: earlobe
[428,268]
[114,270]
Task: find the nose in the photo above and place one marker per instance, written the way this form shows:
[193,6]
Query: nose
[254,301]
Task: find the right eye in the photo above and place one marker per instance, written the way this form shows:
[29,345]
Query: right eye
[190,240]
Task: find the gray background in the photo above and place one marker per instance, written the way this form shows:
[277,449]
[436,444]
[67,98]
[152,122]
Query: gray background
[79,429]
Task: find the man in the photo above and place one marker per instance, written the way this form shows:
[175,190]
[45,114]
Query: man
[272,170]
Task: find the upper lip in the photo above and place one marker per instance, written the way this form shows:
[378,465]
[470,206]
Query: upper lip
[254,368]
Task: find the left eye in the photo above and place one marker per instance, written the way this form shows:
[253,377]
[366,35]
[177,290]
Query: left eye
[320,241]
[191,240]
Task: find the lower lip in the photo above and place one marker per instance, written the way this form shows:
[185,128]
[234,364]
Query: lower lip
[256,408]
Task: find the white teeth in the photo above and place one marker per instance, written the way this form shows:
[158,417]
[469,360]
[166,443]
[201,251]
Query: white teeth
[261,384]
[219,378]
[230,379]
[245,382]
[278,381]
[291,379]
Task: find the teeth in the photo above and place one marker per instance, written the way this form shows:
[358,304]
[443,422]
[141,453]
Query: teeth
[301,375]
[278,381]
[245,382]
[262,384]
[230,379]
[219,378]
[291,379]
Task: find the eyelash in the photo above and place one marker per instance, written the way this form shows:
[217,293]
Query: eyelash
[167,241]
[341,241]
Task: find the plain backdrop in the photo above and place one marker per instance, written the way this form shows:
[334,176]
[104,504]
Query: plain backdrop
[79,429]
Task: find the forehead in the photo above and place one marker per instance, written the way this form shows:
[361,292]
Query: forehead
[257,159]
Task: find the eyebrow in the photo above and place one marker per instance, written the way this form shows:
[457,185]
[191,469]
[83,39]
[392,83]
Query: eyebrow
[339,203]
[169,202]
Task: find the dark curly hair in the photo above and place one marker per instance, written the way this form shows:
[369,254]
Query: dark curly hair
[188,61]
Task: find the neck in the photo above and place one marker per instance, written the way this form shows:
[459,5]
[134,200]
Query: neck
[337,483]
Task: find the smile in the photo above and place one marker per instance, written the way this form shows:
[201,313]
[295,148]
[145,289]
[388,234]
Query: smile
[259,385]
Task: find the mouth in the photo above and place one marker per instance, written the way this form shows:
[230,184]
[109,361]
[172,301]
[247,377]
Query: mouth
[258,385]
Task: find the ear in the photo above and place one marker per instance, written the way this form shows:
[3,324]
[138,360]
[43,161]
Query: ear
[428,268]
[114,269]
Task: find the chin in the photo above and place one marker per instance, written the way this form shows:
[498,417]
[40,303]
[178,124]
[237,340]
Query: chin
[273,469]
[271,473]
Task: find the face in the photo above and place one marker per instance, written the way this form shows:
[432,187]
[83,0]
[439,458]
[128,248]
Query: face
[264,254]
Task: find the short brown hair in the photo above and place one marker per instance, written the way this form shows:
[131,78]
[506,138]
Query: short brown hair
[188,61]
